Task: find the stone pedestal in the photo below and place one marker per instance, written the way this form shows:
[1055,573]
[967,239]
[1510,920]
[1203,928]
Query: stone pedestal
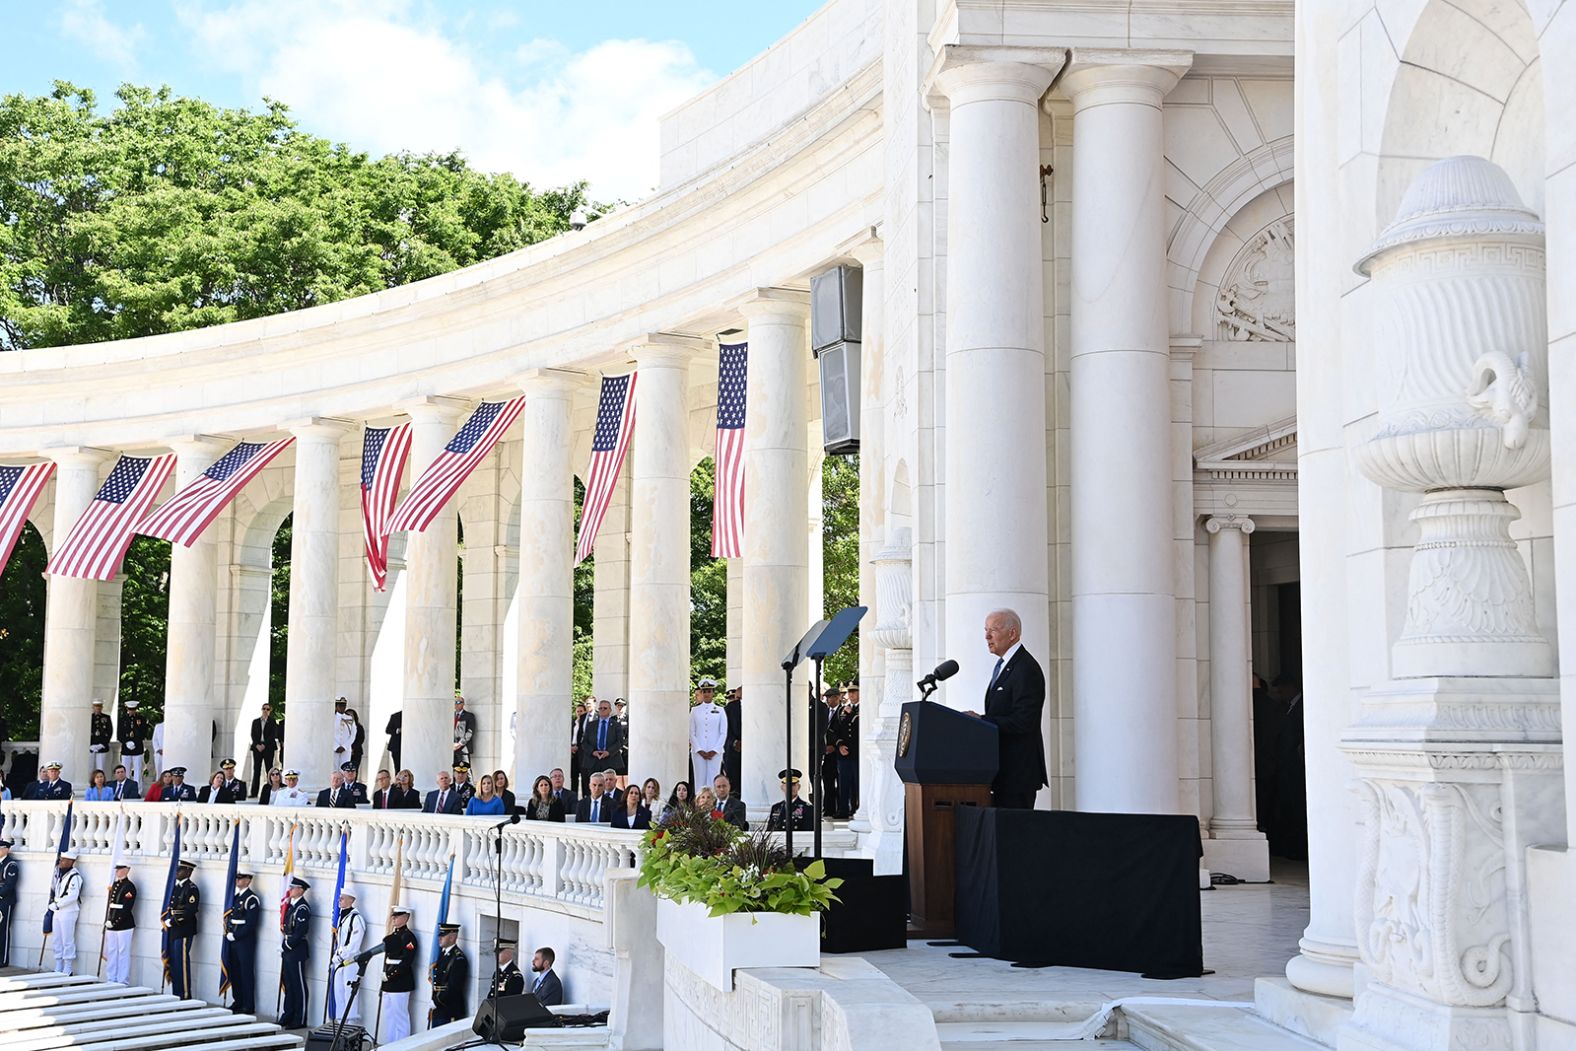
[880,788]
[189,710]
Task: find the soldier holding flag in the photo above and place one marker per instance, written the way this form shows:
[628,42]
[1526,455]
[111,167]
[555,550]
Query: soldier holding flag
[65,903]
[450,978]
[295,950]
[10,872]
[399,975]
[180,922]
[350,931]
[241,923]
[119,926]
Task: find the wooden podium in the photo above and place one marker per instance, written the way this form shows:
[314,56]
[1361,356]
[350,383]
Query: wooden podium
[947,761]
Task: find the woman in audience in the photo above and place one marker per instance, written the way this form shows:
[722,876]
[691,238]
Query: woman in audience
[679,800]
[486,802]
[404,796]
[501,785]
[156,789]
[98,788]
[543,805]
[653,798]
[633,814]
[706,801]
[215,790]
[275,783]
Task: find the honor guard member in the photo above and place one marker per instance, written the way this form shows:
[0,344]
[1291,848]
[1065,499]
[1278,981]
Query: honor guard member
[399,977]
[295,950]
[65,901]
[181,921]
[246,914]
[508,980]
[134,731]
[800,810]
[100,730]
[450,978]
[236,786]
[178,791]
[708,732]
[351,932]
[10,872]
[118,928]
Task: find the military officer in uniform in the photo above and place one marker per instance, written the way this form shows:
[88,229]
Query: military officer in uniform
[464,787]
[178,791]
[352,931]
[295,950]
[801,811]
[708,733]
[10,872]
[181,921]
[65,901]
[100,730]
[508,980]
[399,977]
[246,914]
[235,784]
[133,732]
[450,978]
[292,794]
[119,926]
[50,786]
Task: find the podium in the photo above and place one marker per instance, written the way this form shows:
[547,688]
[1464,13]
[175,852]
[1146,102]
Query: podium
[947,761]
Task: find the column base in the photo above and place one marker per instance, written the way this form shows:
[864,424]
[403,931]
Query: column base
[1319,1018]
[1246,857]
[1388,1019]
[1324,970]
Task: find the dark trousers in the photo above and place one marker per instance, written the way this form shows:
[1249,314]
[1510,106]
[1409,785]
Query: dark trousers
[243,978]
[181,967]
[1003,800]
[442,1017]
[293,974]
[826,803]
[847,785]
[262,762]
[5,934]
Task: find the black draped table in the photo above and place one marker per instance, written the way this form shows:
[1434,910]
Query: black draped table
[1060,887]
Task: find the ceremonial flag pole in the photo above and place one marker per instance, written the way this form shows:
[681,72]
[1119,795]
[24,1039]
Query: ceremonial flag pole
[114,863]
[226,946]
[330,1007]
[169,900]
[284,906]
[437,931]
[388,923]
[54,880]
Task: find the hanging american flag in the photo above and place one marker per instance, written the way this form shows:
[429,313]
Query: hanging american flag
[99,540]
[615,425]
[727,499]
[183,517]
[384,451]
[19,491]
[454,464]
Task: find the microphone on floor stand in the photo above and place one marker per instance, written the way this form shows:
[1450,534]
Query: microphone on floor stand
[944,671]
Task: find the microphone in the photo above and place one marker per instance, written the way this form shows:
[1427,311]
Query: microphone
[512,819]
[944,671]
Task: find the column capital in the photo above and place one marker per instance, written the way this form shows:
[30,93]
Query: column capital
[1239,522]
[69,456]
[554,384]
[433,408]
[963,73]
[317,428]
[190,445]
[765,303]
[1097,76]
[672,350]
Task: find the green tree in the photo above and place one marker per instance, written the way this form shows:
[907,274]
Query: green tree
[22,635]
[708,584]
[144,622]
[840,554]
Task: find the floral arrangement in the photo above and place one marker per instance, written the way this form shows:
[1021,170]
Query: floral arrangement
[695,857]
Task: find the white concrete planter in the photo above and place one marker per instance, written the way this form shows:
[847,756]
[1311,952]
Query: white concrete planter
[713,946]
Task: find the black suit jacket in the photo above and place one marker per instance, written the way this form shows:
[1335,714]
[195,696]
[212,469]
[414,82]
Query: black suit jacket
[733,812]
[451,805]
[346,800]
[613,748]
[583,811]
[398,799]
[1013,704]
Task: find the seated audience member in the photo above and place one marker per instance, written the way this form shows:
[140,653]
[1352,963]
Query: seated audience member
[653,795]
[443,799]
[633,814]
[405,796]
[548,989]
[543,805]
[593,807]
[730,806]
[501,786]
[337,795]
[98,788]
[276,781]
[292,794]
[216,791]
[486,802]
[680,799]
[562,791]
[155,791]
[706,802]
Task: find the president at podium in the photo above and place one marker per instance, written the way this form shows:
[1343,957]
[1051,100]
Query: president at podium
[1013,702]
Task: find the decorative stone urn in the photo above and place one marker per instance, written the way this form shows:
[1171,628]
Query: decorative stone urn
[1458,757]
[1461,348]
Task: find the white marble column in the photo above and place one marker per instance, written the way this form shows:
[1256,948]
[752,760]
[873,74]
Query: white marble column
[314,601]
[776,577]
[995,442]
[1124,614]
[872,469]
[735,622]
[70,617]
[1241,849]
[610,623]
[546,601]
[659,561]
[189,704]
[431,613]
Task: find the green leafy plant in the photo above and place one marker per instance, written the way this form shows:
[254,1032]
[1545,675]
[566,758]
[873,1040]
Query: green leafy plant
[697,858]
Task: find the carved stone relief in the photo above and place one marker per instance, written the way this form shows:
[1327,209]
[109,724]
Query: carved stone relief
[1257,301]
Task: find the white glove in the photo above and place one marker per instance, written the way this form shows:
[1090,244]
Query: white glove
[106,925]
[164,924]
[229,937]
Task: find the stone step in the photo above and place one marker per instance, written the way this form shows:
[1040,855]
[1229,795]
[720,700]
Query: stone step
[250,1035]
[1013,1033]
[1046,1045]
[1178,1028]
[61,1036]
[33,1018]
[1024,1010]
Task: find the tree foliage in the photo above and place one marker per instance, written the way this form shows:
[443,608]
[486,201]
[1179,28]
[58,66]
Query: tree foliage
[22,635]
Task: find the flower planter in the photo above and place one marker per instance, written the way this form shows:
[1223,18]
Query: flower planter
[714,946]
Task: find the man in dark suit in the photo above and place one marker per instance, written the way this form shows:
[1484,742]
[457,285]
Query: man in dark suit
[443,799]
[594,808]
[562,792]
[548,989]
[732,806]
[336,794]
[603,739]
[1013,701]
[265,746]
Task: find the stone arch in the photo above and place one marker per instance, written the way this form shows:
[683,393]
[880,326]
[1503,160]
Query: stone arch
[1244,283]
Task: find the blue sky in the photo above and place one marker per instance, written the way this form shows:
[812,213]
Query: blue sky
[551,90]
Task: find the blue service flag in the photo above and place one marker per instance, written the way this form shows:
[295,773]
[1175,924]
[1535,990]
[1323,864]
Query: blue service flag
[226,946]
[443,917]
[65,845]
[169,896]
[339,888]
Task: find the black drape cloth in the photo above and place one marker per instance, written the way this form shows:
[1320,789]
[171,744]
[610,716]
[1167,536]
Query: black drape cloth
[1113,891]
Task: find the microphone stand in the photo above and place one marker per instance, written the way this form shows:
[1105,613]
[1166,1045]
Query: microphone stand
[355,987]
[492,990]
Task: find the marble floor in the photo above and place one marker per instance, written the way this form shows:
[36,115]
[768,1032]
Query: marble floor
[1250,930]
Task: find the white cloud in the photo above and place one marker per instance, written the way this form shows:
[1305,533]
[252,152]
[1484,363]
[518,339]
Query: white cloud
[84,22]
[385,79]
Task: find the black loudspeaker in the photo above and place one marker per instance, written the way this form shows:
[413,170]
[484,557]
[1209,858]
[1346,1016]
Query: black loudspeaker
[839,398]
[836,302]
[506,1018]
[322,1038]
[871,913]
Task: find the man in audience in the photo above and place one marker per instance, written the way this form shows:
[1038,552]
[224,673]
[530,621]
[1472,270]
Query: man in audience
[265,745]
[124,787]
[336,794]
[463,783]
[178,791]
[732,807]
[594,808]
[292,794]
[562,792]
[548,989]
[236,786]
[602,740]
[444,799]
[358,787]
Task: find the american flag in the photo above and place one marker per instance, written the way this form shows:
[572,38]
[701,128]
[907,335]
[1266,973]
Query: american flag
[384,451]
[19,491]
[727,502]
[454,464]
[184,516]
[101,536]
[615,425]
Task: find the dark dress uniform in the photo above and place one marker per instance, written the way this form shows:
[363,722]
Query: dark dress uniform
[509,981]
[10,872]
[99,732]
[295,950]
[802,812]
[246,915]
[184,902]
[450,982]
[844,733]
[399,961]
[117,929]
